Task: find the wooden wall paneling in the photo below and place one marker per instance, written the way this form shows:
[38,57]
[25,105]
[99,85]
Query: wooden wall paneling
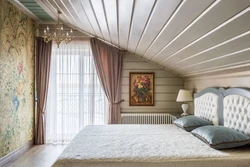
[125,9]
[160,81]
[158,72]
[100,12]
[163,105]
[75,8]
[67,10]
[167,86]
[170,34]
[91,17]
[239,57]
[142,65]
[186,13]
[220,70]
[141,15]
[112,19]
[159,17]
[53,6]
[239,43]
[158,97]
[174,111]
[158,89]
[233,71]
[217,13]
[199,84]
[229,29]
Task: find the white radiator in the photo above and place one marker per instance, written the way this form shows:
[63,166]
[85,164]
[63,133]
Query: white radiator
[146,118]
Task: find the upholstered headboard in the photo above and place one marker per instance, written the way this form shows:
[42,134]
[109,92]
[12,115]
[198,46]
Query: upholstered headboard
[208,105]
[236,104]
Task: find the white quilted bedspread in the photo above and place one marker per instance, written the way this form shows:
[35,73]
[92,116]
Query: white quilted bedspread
[133,143]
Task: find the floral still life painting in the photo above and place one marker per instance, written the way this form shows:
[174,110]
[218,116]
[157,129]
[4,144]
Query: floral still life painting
[141,89]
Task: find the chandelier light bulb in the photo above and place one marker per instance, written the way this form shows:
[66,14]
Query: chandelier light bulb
[48,28]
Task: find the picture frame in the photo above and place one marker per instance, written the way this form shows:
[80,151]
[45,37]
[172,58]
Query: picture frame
[141,88]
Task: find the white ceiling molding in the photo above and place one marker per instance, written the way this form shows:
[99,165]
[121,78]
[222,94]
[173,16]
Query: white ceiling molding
[187,37]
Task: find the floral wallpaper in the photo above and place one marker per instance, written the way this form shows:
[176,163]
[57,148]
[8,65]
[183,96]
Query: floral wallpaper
[17,34]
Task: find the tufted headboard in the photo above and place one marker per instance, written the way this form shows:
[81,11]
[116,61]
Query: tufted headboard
[208,105]
[236,105]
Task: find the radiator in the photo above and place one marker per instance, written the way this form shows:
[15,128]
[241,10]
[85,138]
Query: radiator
[147,118]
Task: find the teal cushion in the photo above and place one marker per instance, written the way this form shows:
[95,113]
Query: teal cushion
[191,122]
[220,137]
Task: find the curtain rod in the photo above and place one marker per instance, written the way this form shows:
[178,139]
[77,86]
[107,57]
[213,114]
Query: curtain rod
[107,42]
[93,36]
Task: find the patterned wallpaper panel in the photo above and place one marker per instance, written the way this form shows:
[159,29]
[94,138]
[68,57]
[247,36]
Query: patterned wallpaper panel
[17,34]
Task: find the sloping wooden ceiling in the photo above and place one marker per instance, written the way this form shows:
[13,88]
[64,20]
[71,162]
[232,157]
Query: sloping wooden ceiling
[190,37]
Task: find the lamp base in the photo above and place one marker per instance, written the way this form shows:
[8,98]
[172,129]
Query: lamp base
[184,108]
[184,114]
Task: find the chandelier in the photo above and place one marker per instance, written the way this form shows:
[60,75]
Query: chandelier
[58,35]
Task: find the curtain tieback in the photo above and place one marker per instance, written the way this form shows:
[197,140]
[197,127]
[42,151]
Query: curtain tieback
[40,109]
[117,102]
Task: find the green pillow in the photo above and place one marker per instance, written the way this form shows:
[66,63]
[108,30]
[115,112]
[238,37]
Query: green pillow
[220,137]
[191,122]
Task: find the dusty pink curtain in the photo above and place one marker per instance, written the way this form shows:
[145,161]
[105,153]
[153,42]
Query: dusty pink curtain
[43,61]
[109,61]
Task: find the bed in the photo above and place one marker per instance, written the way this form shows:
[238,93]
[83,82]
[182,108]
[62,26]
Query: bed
[164,145]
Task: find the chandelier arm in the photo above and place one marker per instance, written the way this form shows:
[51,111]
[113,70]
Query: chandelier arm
[58,35]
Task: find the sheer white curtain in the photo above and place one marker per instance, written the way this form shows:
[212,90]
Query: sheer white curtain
[75,97]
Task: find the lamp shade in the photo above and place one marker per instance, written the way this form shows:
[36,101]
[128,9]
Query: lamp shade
[184,96]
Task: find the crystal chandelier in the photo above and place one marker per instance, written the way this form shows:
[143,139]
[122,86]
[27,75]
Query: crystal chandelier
[58,35]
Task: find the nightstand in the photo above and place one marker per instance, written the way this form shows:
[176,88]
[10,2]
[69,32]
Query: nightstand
[177,115]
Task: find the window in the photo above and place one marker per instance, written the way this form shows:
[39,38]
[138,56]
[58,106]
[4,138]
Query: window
[75,97]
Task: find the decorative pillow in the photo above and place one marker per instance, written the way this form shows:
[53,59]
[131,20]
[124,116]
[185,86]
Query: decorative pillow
[220,137]
[191,122]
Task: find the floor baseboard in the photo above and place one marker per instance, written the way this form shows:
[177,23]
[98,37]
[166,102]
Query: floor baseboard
[16,153]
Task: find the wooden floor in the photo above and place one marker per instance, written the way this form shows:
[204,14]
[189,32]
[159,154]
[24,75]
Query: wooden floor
[38,156]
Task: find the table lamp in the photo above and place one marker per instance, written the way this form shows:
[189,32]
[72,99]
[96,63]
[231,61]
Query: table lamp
[184,96]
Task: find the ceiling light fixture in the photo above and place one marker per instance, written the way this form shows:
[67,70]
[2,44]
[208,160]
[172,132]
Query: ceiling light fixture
[58,35]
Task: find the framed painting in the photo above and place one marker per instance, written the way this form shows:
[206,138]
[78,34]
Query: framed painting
[141,88]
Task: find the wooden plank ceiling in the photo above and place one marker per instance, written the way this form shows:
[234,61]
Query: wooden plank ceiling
[189,37]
